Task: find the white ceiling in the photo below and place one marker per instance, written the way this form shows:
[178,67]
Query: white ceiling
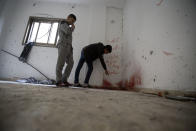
[113,3]
[82,1]
[85,1]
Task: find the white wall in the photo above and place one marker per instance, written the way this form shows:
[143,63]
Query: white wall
[160,43]
[159,48]
[90,28]
[2,17]
[114,38]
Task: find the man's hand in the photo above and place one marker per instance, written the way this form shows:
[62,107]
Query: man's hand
[72,27]
[106,72]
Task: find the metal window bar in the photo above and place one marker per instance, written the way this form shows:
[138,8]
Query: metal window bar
[51,26]
[37,33]
[57,34]
[31,31]
[27,32]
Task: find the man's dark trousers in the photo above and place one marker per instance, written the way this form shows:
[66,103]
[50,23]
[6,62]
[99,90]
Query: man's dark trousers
[80,64]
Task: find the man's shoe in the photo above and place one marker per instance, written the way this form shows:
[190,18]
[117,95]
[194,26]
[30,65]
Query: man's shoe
[60,84]
[85,85]
[66,84]
[77,85]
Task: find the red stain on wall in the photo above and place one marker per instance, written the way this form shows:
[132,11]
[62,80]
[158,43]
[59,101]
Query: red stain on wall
[158,4]
[124,84]
[167,53]
[120,84]
[133,81]
[107,83]
[114,40]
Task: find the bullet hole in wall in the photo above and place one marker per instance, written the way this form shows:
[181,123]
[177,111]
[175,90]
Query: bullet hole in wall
[144,57]
[151,52]
[155,77]
[112,21]
[34,4]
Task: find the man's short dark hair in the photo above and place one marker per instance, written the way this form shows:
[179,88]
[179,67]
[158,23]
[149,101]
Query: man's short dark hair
[109,48]
[72,16]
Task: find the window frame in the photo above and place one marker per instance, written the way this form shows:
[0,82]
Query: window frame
[40,19]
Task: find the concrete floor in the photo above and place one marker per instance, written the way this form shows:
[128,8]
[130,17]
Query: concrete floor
[37,108]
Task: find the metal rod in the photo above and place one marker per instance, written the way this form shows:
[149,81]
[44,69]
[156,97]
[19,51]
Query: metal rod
[37,33]
[27,64]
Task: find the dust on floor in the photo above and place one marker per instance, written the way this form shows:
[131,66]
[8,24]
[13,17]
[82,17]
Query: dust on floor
[30,108]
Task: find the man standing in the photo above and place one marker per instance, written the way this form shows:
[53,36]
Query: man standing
[65,50]
[89,54]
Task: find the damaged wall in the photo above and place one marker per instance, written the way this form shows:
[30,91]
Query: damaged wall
[90,28]
[159,47]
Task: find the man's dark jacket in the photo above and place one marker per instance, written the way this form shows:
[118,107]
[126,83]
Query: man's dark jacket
[94,51]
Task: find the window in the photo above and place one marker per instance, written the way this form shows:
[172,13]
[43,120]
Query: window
[42,31]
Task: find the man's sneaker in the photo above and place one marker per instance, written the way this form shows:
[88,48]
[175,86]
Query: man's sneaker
[60,84]
[77,85]
[66,84]
[85,85]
